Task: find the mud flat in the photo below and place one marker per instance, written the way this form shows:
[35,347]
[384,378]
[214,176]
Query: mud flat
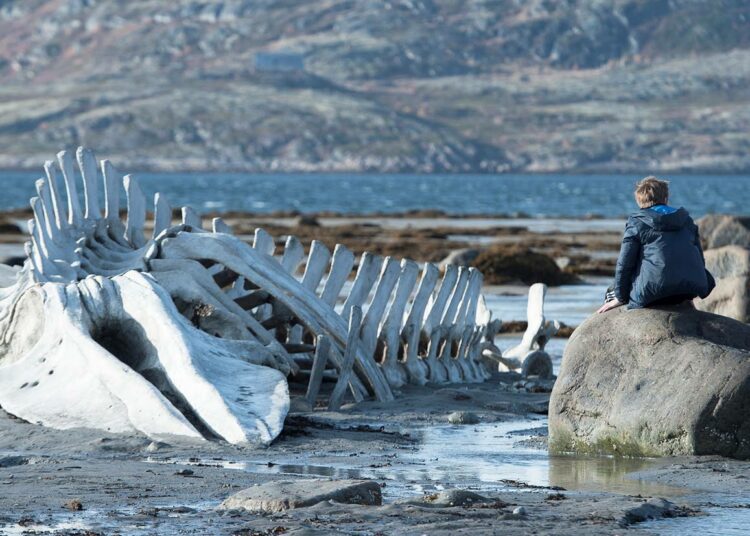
[85,482]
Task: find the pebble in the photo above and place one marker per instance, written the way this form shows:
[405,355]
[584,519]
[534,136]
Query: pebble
[463,417]
[156,445]
[74,505]
[519,511]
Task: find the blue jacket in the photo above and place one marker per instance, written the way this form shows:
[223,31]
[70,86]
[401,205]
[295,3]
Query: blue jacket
[660,257]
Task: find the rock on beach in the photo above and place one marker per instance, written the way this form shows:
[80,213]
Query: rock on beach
[654,382]
[730,265]
[287,495]
[719,230]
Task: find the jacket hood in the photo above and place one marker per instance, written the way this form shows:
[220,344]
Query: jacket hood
[673,221]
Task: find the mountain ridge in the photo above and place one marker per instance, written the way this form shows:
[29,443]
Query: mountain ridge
[400,86]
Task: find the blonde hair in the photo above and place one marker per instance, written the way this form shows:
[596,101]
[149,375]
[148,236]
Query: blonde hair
[651,191]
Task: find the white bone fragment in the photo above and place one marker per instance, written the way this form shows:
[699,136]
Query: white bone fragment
[87,164]
[390,332]
[293,255]
[341,267]
[191,218]
[264,242]
[220,226]
[162,215]
[352,343]
[74,206]
[136,212]
[418,368]
[322,350]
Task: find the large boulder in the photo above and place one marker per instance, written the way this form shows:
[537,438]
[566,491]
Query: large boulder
[730,266]
[719,230]
[654,382]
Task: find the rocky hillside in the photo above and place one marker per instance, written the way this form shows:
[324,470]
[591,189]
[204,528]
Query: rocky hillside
[401,85]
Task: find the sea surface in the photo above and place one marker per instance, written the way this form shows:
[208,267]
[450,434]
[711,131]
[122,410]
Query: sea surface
[532,195]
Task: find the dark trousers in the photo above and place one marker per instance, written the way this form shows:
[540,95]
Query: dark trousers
[677,299]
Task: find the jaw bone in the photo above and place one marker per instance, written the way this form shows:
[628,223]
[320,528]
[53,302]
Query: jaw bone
[115,354]
[89,338]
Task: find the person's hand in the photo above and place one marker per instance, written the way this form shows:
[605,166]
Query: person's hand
[609,305]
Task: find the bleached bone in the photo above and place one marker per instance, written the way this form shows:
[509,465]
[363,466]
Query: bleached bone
[322,350]
[435,331]
[121,357]
[529,356]
[352,343]
[115,354]
[390,331]
[210,318]
[419,370]
[263,271]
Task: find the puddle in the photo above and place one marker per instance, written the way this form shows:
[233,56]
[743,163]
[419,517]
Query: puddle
[726,515]
[128,520]
[493,456]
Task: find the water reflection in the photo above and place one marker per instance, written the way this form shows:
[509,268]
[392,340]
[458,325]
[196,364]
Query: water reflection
[606,474]
[493,456]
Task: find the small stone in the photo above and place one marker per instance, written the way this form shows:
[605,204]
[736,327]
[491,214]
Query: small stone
[155,446]
[74,505]
[654,508]
[184,472]
[453,497]
[307,220]
[13,461]
[519,511]
[463,417]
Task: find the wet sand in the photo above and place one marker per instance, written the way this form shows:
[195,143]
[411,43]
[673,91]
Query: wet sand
[130,485]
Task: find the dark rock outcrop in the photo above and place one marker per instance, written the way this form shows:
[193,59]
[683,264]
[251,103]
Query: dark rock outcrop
[654,382]
[501,265]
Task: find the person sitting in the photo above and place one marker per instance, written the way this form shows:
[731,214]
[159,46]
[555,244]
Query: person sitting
[661,260]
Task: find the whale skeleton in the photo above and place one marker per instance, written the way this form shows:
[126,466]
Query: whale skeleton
[174,329]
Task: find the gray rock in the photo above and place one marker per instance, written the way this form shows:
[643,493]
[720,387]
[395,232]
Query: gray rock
[449,498]
[654,382]
[730,265]
[463,417]
[285,495]
[13,461]
[460,257]
[156,446]
[519,511]
[13,260]
[719,230]
[655,508]
[307,220]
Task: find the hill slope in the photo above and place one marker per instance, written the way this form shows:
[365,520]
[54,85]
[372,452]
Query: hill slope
[409,85]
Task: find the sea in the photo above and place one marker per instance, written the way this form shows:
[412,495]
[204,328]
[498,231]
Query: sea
[537,196]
